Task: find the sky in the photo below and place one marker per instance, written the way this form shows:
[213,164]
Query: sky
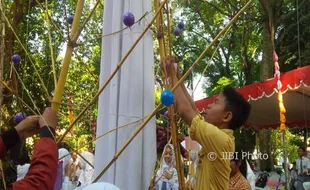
[198,94]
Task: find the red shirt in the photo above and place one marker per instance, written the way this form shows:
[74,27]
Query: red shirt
[43,169]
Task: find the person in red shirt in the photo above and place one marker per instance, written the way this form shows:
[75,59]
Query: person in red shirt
[43,168]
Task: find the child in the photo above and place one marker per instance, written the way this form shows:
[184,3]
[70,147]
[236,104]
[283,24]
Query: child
[167,177]
[212,129]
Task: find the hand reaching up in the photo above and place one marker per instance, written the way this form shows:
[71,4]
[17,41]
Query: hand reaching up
[49,118]
[28,127]
[169,64]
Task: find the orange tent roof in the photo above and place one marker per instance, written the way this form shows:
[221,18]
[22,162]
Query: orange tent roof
[263,99]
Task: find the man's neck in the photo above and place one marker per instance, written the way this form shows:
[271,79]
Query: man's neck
[223,126]
[235,174]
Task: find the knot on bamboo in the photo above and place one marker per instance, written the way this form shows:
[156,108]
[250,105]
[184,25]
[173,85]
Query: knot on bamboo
[160,32]
[72,43]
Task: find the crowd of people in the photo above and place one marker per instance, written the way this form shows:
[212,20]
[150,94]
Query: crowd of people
[213,128]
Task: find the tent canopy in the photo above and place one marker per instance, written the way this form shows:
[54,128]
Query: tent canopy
[263,98]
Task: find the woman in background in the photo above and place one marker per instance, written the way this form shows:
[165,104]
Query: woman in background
[167,177]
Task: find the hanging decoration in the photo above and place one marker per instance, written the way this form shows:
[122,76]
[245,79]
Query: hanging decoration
[70,111]
[277,75]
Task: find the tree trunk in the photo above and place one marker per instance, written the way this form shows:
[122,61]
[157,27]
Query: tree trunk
[2,36]
[266,70]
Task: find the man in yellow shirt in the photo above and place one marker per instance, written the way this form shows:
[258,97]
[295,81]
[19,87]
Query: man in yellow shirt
[212,129]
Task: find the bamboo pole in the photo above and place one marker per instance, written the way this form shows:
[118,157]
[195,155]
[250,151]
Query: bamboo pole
[173,89]
[64,71]
[169,18]
[118,127]
[174,130]
[13,92]
[50,42]
[76,35]
[2,27]
[2,174]
[24,48]
[113,74]
[176,144]
[2,34]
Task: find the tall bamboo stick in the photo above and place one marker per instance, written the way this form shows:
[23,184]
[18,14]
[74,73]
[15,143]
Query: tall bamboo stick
[2,33]
[64,71]
[24,48]
[162,53]
[173,89]
[50,42]
[2,42]
[112,75]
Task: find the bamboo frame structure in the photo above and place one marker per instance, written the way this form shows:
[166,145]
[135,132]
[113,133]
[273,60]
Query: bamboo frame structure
[112,75]
[174,129]
[64,71]
[2,175]
[23,47]
[13,92]
[173,89]
[50,42]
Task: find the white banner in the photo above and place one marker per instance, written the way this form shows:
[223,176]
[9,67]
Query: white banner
[128,97]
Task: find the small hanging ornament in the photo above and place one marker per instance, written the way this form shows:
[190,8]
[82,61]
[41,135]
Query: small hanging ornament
[277,75]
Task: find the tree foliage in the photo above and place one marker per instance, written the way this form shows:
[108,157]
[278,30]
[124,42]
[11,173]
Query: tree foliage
[241,57]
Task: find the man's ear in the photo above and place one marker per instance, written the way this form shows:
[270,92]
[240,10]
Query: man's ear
[228,117]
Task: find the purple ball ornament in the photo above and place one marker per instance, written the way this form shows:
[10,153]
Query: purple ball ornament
[16,59]
[177,31]
[128,19]
[166,114]
[181,25]
[167,98]
[70,19]
[19,117]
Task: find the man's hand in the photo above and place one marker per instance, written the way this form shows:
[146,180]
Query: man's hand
[169,64]
[49,118]
[28,127]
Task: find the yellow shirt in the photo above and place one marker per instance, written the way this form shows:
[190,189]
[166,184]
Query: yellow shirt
[213,168]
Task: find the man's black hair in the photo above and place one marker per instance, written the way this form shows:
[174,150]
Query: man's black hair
[239,107]
[302,148]
[238,158]
[23,158]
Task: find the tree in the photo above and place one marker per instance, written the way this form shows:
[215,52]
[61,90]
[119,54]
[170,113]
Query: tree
[245,54]
[28,20]
[274,13]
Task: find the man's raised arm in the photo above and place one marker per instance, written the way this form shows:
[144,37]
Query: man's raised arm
[183,103]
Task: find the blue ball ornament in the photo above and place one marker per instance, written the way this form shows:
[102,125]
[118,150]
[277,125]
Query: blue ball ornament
[70,19]
[181,25]
[166,114]
[177,31]
[19,117]
[167,98]
[16,59]
[128,19]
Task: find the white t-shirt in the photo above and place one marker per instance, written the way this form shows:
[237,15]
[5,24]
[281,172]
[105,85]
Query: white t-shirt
[305,164]
[22,171]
